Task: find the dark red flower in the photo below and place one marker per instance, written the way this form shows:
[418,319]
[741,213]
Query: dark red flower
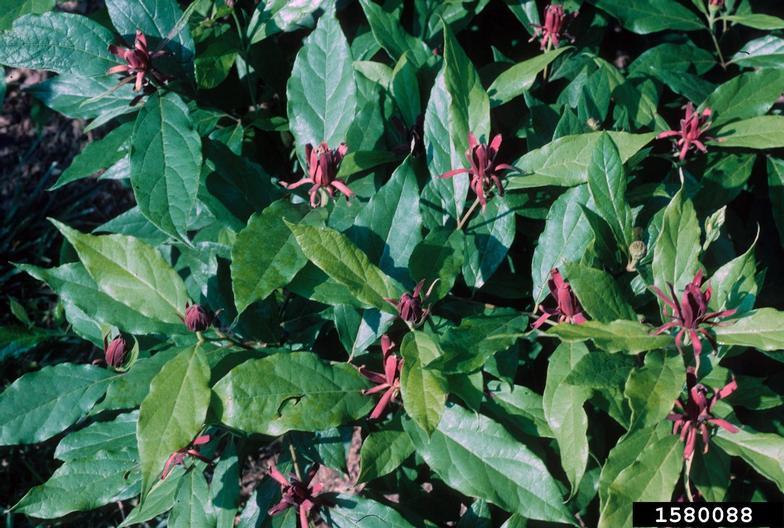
[414,137]
[388,382]
[323,165]
[410,306]
[553,30]
[484,171]
[690,315]
[693,126]
[716,3]
[115,351]
[694,415]
[197,319]
[568,309]
[299,494]
[178,457]
[138,63]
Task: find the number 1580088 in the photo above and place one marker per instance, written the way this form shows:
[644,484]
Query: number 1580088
[708,515]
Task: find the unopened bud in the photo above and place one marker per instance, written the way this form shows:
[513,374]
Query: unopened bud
[197,319]
[637,250]
[115,352]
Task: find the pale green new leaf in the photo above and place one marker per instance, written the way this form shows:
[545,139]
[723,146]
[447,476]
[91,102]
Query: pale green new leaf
[131,272]
[607,183]
[762,329]
[334,253]
[520,77]
[173,412]
[618,336]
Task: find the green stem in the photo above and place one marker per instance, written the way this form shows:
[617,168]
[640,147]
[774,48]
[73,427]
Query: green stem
[294,460]
[462,221]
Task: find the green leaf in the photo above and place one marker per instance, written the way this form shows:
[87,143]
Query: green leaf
[759,133]
[618,336]
[652,388]
[321,93]
[225,487]
[74,285]
[165,163]
[300,392]
[159,20]
[383,451]
[117,435]
[649,16]
[601,370]
[734,283]
[390,35]
[215,62]
[598,292]
[458,105]
[710,473]
[764,52]
[358,329]
[679,58]
[563,409]
[776,192]
[404,87]
[258,269]
[423,390]
[607,183]
[131,272]
[564,162]
[762,451]
[677,252]
[282,15]
[159,500]
[643,466]
[477,457]
[440,255]
[129,390]
[96,156]
[747,95]
[173,412]
[489,235]
[13,9]
[518,407]
[389,226]
[756,21]
[762,329]
[83,484]
[41,404]
[85,97]
[344,262]
[354,511]
[520,77]
[59,42]
[467,347]
[192,505]
[566,237]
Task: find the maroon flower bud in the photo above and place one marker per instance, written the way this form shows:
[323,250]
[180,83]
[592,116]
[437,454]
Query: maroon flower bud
[690,134]
[693,416]
[138,63]
[197,319]
[554,28]
[690,315]
[567,309]
[323,165]
[410,306]
[484,171]
[115,352]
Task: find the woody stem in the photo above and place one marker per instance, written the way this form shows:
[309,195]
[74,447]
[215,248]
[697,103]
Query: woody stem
[544,71]
[686,472]
[294,460]
[715,42]
[462,221]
